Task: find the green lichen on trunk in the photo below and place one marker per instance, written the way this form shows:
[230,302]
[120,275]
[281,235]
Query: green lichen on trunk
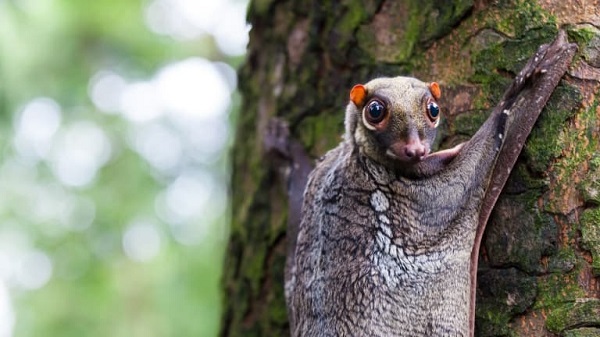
[546,142]
[574,315]
[583,332]
[590,236]
[402,28]
[557,289]
[509,292]
[304,56]
[590,186]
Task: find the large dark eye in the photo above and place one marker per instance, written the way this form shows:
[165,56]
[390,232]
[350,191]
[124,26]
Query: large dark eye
[375,112]
[433,112]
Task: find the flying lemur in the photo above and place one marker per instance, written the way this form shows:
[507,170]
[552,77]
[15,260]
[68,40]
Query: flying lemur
[389,233]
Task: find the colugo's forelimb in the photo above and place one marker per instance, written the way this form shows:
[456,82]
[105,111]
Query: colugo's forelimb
[521,105]
[389,230]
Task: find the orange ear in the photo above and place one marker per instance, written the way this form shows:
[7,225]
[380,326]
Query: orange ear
[358,95]
[435,90]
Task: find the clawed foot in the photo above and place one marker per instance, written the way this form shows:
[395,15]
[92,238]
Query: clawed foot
[447,155]
[544,59]
[437,161]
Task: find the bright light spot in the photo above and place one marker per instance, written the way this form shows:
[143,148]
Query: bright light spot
[190,89]
[81,150]
[6,265]
[194,230]
[35,127]
[193,88]
[188,193]
[191,205]
[13,241]
[7,316]
[228,73]
[46,203]
[163,18]
[159,145]
[13,244]
[141,241]
[196,94]
[232,34]
[140,102]
[202,14]
[183,19]
[216,206]
[208,139]
[105,91]
[34,270]
[189,233]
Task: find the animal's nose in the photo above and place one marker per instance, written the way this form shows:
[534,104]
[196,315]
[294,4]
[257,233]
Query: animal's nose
[414,150]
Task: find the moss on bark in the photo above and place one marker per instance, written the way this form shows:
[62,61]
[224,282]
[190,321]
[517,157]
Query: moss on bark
[303,58]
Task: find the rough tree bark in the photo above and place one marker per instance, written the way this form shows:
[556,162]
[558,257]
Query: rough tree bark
[540,262]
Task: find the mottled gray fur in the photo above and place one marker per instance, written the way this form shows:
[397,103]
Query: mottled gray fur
[383,247]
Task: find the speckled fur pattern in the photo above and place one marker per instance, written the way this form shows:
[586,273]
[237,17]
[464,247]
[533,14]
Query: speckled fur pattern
[375,249]
[384,248]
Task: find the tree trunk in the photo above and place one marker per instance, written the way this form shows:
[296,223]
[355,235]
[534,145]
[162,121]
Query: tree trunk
[540,260]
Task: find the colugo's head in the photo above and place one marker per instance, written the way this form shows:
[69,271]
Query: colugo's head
[394,120]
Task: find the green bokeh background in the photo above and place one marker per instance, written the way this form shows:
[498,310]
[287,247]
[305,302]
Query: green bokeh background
[52,48]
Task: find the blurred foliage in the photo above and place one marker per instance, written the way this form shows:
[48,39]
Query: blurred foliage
[52,48]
